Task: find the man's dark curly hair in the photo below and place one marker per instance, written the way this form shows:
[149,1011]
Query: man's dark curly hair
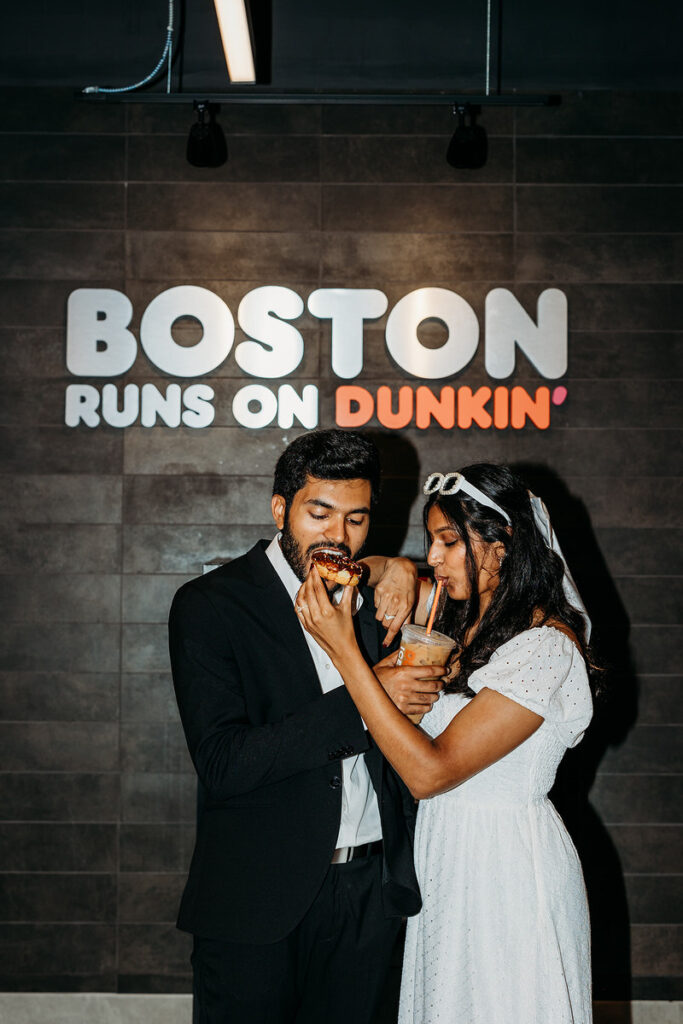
[327,455]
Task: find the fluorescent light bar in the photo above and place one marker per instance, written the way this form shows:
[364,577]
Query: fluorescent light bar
[234,27]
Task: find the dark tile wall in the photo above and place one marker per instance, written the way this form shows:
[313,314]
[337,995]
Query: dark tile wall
[101,526]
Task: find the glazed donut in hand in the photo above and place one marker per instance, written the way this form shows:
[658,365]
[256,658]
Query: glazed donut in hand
[335,566]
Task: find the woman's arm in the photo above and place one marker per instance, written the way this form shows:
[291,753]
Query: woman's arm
[397,589]
[399,594]
[487,729]
[377,566]
[423,607]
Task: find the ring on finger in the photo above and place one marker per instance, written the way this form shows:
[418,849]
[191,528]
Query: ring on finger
[388,616]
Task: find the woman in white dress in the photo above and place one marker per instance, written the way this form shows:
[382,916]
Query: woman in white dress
[503,936]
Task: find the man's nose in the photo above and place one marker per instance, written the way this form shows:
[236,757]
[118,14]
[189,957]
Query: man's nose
[335,531]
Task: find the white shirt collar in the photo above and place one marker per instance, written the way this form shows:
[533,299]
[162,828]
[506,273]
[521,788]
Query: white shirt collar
[288,577]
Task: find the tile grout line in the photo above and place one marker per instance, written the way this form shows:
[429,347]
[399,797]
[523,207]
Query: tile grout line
[117,937]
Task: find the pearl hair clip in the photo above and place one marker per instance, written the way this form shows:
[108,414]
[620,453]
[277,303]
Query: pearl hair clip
[451,483]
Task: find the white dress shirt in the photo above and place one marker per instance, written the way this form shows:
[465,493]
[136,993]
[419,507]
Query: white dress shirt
[360,820]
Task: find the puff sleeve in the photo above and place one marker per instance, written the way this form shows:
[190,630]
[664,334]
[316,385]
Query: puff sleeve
[542,670]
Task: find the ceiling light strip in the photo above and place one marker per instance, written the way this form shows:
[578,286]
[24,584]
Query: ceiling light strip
[236,37]
[488,46]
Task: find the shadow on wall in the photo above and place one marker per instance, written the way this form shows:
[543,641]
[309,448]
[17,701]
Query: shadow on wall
[615,714]
[401,482]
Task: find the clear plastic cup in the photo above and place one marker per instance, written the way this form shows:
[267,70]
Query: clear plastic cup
[418,647]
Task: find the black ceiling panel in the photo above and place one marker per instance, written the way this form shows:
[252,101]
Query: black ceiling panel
[353,44]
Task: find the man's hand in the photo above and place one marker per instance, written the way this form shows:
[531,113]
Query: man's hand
[412,688]
[395,595]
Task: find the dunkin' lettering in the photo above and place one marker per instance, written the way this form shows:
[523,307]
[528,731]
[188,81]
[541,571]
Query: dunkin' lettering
[100,343]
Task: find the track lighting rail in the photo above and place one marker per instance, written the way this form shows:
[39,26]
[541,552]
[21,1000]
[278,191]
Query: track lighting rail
[263,96]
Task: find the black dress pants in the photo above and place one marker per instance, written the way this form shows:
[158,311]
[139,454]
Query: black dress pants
[329,970]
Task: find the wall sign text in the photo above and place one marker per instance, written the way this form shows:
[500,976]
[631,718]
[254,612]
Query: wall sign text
[100,344]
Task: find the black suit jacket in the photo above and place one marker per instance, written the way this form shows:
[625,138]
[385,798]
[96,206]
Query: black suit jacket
[267,745]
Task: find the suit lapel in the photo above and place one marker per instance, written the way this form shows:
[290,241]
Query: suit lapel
[369,638]
[277,605]
[367,629]
[278,608]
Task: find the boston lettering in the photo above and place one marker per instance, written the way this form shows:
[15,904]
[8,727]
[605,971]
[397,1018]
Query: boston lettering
[100,344]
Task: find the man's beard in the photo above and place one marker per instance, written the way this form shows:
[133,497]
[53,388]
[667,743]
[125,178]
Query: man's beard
[296,556]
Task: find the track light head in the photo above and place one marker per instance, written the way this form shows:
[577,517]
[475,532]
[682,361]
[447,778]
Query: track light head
[468,148]
[206,146]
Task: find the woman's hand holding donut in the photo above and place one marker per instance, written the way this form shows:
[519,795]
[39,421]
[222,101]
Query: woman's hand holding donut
[331,625]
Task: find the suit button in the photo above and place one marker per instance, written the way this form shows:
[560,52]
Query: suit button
[335,782]
[334,755]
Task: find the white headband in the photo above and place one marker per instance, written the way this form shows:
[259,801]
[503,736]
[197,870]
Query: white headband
[440,482]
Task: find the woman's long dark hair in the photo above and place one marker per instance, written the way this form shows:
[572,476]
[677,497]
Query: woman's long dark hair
[531,574]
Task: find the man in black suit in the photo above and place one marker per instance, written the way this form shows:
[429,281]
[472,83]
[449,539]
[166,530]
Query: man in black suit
[302,869]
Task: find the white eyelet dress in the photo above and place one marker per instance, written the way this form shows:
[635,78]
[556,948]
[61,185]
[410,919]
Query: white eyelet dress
[503,936]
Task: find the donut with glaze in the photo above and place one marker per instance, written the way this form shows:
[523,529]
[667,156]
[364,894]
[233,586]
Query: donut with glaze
[335,566]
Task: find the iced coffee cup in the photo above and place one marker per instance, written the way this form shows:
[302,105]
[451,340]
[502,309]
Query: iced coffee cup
[418,647]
